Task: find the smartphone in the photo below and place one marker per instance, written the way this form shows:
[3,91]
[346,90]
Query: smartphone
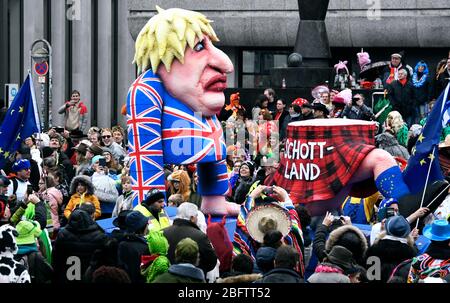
[102,162]
[29,189]
[268,190]
[59,130]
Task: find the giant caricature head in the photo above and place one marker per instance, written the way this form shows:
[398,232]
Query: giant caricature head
[198,76]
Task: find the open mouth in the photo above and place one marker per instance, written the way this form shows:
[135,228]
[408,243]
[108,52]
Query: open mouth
[217,83]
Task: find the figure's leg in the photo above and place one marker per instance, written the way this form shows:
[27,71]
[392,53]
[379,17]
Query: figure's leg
[388,177]
[212,186]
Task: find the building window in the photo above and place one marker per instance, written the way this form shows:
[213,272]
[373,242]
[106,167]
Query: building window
[256,65]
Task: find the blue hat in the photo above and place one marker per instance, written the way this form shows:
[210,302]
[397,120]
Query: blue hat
[439,230]
[20,165]
[397,226]
[387,202]
[135,221]
[96,158]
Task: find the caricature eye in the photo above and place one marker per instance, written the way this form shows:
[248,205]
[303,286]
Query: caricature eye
[199,46]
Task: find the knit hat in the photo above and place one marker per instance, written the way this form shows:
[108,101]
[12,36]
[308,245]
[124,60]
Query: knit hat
[58,137]
[153,196]
[397,226]
[28,232]
[344,96]
[95,149]
[135,221]
[387,202]
[342,257]
[250,165]
[4,181]
[186,250]
[20,165]
[96,158]
[47,152]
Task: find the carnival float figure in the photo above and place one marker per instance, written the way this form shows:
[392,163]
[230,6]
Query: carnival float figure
[172,107]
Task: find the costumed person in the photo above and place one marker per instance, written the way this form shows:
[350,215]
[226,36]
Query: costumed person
[157,262]
[343,77]
[323,159]
[363,59]
[267,208]
[340,101]
[422,87]
[234,105]
[172,107]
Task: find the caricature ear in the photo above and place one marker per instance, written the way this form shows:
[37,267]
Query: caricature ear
[209,219]
[345,62]
[224,220]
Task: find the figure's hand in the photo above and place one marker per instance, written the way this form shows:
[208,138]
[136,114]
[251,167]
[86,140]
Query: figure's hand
[66,134]
[257,191]
[329,218]
[51,132]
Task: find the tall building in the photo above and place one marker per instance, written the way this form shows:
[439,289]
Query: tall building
[93,40]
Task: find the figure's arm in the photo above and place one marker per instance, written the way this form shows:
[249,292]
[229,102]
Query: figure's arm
[62,109]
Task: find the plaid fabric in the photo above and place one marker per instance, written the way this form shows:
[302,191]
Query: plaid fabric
[244,244]
[344,150]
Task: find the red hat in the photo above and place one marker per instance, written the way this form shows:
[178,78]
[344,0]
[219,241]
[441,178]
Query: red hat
[300,102]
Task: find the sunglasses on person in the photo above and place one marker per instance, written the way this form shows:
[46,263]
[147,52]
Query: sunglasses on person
[106,137]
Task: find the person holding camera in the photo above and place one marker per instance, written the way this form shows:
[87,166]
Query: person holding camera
[358,110]
[75,113]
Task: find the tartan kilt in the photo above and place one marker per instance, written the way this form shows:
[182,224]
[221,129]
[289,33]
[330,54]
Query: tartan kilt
[345,148]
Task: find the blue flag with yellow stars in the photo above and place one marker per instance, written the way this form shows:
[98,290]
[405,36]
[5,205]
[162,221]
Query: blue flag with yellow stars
[425,153]
[21,121]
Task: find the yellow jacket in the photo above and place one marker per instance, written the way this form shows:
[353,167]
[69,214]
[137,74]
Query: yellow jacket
[75,200]
[153,223]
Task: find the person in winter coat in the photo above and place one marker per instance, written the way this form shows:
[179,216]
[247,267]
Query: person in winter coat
[244,182]
[335,268]
[185,269]
[435,262]
[29,255]
[75,244]
[105,186]
[53,197]
[184,226]
[358,110]
[389,143]
[125,201]
[265,256]
[286,259]
[401,96]
[241,271]
[393,246]
[82,190]
[133,246]
[442,77]
[347,236]
[11,271]
[156,263]
[422,87]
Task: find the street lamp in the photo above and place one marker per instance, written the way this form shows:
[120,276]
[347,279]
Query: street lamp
[43,54]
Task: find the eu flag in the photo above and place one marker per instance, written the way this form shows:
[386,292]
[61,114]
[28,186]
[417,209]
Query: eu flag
[425,153]
[21,121]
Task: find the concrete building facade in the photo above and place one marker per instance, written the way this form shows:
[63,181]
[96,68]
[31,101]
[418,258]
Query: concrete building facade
[93,40]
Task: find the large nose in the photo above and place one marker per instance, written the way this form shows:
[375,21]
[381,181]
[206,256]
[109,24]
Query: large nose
[220,61]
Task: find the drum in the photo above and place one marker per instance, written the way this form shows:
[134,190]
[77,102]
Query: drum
[321,155]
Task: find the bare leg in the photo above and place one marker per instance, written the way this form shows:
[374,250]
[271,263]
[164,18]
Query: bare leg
[376,162]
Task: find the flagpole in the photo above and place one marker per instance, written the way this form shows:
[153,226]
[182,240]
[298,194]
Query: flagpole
[426,183]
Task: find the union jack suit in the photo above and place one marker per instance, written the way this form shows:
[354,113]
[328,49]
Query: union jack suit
[163,130]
